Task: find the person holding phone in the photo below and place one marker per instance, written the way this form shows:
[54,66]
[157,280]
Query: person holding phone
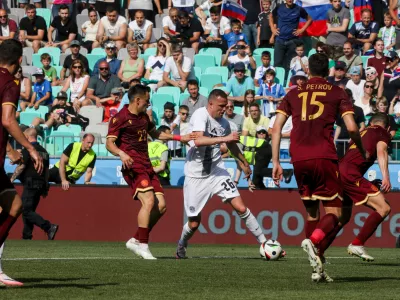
[243,55]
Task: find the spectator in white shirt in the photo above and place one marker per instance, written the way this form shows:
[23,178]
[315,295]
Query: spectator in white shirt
[215,29]
[8,27]
[172,121]
[169,23]
[140,31]
[179,67]
[156,63]
[243,55]
[356,84]
[201,11]
[113,27]
[90,28]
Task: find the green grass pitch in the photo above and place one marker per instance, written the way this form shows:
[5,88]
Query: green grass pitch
[91,270]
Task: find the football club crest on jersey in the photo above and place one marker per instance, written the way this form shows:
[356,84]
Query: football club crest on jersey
[144,183]
[114,120]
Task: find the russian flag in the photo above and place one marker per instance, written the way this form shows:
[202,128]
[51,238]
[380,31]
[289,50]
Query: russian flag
[358,6]
[233,10]
[317,9]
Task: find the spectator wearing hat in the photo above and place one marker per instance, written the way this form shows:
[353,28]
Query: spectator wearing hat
[60,114]
[190,30]
[195,99]
[171,120]
[111,58]
[32,29]
[41,90]
[339,77]
[265,66]
[379,60]
[8,27]
[298,80]
[178,69]
[364,31]
[389,82]
[113,27]
[140,30]
[371,75]
[237,85]
[350,58]
[255,119]
[75,46]
[356,84]
[338,18]
[243,55]
[111,105]
[65,27]
[101,85]
[271,93]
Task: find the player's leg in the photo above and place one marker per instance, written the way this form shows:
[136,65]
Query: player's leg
[381,211]
[312,217]
[158,210]
[4,279]
[188,231]
[12,207]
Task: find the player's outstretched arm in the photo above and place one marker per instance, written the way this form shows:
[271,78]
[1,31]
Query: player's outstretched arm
[159,135]
[127,161]
[277,171]
[354,133]
[201,140]
[382,154]
[244,165]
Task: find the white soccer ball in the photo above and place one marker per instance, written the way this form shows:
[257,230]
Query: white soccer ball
[270,250]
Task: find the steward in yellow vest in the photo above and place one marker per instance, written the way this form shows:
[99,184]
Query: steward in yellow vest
[158,154]
[76,159]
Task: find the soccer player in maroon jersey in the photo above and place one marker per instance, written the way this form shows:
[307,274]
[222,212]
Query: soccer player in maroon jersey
[314,108]
[360,191]
[127,138]
[10,202]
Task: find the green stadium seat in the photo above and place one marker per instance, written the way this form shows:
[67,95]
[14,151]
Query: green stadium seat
[45,13]
[92,60]
[197,72]
[145,56]
[204,61]
[259,51]
[60,140]
[150,51]
[204,91]
[58,69]
[100,149]
[311,52]
[42,110]
[280,75]
[171,90]
[54,52]
[158,101]
[99,51]
[155,115]
[182,97]
[209,80]
[75,129]
[55,90]
[36,60]
[365,59]
[238,110]
[258,61]
[216,52]
[26,118]
[223,71]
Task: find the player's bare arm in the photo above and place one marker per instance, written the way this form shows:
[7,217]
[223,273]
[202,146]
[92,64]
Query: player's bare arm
[201,140]
[354,132]
[11,125]
[127,161]
[277,171]
[382,154]
[156,134]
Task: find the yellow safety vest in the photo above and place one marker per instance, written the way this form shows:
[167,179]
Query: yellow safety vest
[155,151]
[250,144]
[80,168]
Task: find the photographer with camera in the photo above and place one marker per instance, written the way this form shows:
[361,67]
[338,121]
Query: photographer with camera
[190,30]
[243,55]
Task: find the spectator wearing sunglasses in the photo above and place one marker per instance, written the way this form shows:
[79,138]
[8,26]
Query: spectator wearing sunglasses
[111,58]
[75,47]
[101,85]
[339,77]
[8,28]
[77,82]
[389,82]
[367,100]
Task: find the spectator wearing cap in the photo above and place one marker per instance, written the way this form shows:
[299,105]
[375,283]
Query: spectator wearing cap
[111,58]
[75,47]
[266,65]
[195,99]
[178,69]
[379,60]
[113,27]
[389,82]
[111,105]
[356,84]
[140,31]
[235,120]
[255,119]
[60,114]
[101,85]
[243,55]
[169,23]
[350,58]
[339,77]
[65,27]
[89,29]
[237,85]
[131,67]
[364,31]
[371,75]
[190,30]
[338,18]
[168,119]
[8,27]
[32,29]
[298,80]
[287,17]
[271,93]
[41,90]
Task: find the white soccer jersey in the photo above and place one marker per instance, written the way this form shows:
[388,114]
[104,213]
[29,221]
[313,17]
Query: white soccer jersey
[202,161]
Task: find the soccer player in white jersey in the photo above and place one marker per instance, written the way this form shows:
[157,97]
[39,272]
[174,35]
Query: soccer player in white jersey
[205,172]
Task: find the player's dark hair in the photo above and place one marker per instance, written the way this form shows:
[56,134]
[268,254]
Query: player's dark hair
[216,10]
[163,128]
[380,118]
[319,65]
[10,52]
[216,94]
[139,11]
[193,82]
[349,93]
[111,8]
[64,6]
[137,90]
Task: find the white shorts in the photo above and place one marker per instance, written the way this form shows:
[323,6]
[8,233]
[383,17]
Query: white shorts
[197,191]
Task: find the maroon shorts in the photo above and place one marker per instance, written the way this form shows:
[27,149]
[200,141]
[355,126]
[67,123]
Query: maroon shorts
[142,181]
[318,179]
[5,183]
[356,189]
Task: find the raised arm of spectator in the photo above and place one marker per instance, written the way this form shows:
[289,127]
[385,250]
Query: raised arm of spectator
[393,11]
[225,59]
[201,15]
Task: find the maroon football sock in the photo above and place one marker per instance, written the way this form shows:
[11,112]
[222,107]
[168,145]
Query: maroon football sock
[136,236]
[327,241]
[310,227]
[324,227]
[368,229]
[143,235]
[6,222]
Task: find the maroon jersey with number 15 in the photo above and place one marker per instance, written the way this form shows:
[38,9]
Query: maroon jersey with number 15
[131,133]
[314,108]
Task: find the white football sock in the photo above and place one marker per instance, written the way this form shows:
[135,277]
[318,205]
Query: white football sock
[1,254]
[187,233]
[253,226]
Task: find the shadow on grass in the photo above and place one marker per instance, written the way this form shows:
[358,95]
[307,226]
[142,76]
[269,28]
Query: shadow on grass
[386,265]
[37,280]
[364,279]
[86,286]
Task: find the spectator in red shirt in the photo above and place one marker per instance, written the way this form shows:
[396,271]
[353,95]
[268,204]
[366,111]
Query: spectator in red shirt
[111,106]
[379,60]
[8,28]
